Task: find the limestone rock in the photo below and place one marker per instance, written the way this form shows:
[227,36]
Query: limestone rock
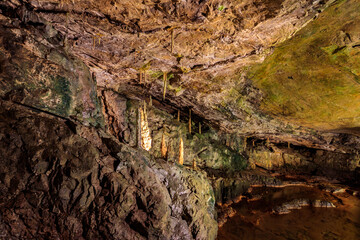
[78,194]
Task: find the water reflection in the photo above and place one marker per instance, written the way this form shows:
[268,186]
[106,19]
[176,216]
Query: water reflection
[258,218]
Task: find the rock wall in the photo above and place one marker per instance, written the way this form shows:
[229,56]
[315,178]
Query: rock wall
[289,159]
[59,180]
[38,71]
[209,148]
[313,78]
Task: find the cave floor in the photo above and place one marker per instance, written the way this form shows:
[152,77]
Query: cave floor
[294,212]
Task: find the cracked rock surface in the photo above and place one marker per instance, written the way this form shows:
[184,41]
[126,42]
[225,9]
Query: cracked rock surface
[93,187]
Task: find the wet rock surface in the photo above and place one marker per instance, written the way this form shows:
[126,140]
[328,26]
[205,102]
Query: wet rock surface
[291,212]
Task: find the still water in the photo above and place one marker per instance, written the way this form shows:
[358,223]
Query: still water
[306,213]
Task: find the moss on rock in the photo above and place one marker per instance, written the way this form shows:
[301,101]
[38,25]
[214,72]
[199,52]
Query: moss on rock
[313,78]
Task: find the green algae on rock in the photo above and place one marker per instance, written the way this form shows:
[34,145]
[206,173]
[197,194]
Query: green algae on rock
[40,74]
[313,78]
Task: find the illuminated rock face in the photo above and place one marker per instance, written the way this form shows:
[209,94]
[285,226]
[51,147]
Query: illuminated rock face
[74,75]
[144,130]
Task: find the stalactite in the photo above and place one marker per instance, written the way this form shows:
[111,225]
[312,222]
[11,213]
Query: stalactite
[165,83]
[199,127]
[288,145]
[245,143]
[144,129]
[194,163]
[150,101]
[163,147]
[181,152]
[178,116]
[190,121]
[98,36]
[140,77]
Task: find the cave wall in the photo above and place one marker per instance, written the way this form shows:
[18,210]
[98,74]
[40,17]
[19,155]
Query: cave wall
[62,180]
[62,176]
[38,71]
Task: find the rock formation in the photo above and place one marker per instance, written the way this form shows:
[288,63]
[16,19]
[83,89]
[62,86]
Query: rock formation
[91,89]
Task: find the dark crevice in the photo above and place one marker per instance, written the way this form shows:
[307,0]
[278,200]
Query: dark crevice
[136,226]
[71,125]
[37,110]
[201,67]
[133,27]
[186,216]
[140,204]
[338,49]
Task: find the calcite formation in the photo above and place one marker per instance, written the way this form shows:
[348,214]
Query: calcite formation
[144,130]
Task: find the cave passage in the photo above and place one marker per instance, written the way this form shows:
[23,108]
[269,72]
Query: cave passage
[179,120]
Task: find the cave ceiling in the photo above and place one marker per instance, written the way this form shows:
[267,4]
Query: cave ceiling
[250,66]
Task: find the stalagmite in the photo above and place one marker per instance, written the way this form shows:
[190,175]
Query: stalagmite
[165,83]
[181,152]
